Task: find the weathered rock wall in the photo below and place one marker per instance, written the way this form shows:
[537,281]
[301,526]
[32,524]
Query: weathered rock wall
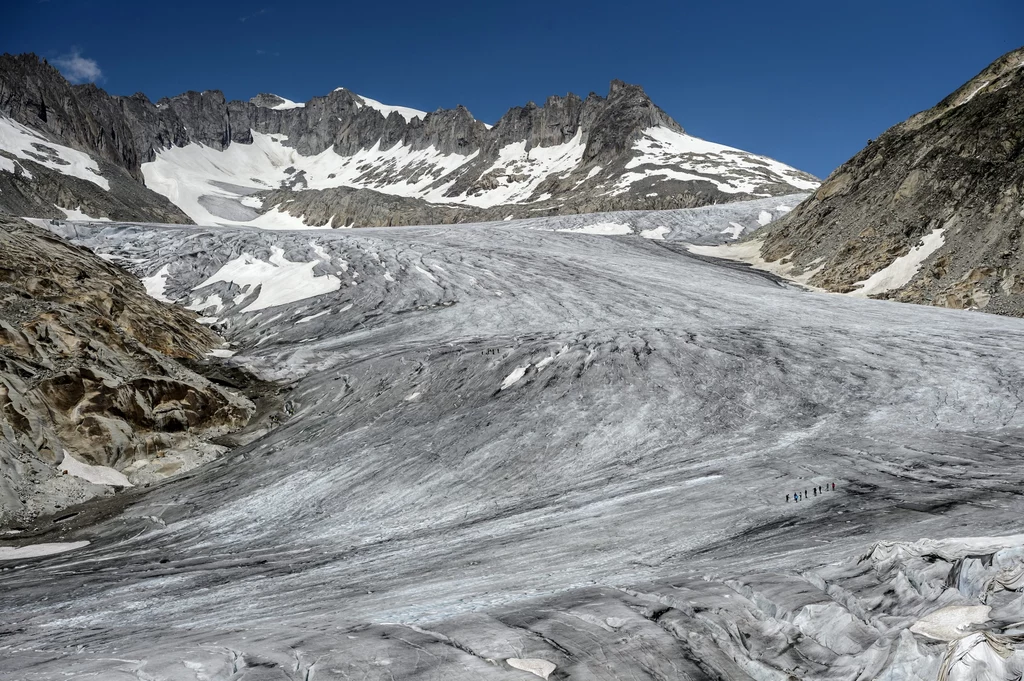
[87,366]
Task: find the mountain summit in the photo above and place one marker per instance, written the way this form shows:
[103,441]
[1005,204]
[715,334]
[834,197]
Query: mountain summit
[348,160]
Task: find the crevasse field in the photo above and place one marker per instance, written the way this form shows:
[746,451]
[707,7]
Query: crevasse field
[555,448]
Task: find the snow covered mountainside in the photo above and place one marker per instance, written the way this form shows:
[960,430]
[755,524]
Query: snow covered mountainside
[562,448]
[344,160]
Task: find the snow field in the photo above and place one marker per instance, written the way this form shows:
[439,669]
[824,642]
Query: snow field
[187,174]
[28,144]
[731,170]
[280,280]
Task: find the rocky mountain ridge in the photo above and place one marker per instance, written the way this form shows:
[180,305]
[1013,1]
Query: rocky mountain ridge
[929,212]
[218,160]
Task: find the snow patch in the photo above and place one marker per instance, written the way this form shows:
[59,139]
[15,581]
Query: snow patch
[26,143]
[320,251]
[280,281]
[601,228]
[13,167]
[534,665]
[287,104]
[658,233]
[277,219]
[98,475]
[206,303]
[901,270]
[951,623]
[77,214]
[386,109]
[520,171]
[763,218]
[734,230]
[37,550]
[312,317]
[156,284]
[514,377]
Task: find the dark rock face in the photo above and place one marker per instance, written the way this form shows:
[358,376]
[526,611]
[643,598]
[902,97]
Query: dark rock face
[88,366]
[47,191]
[958,167]
[321,208]
[84,117]
[349,207]
[130,131]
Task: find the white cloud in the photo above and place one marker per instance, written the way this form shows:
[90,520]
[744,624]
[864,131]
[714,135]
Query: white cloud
[77,68]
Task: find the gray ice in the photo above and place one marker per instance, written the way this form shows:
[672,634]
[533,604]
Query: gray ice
[517,452]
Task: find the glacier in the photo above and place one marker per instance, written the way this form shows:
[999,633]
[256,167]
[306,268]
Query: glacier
[519,450]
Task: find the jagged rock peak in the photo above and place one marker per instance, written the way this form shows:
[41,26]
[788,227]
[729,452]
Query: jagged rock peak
[267,100]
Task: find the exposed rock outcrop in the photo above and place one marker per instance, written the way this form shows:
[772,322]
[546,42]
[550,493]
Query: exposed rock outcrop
[87,367]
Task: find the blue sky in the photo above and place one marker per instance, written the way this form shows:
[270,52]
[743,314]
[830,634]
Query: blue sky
[804,82]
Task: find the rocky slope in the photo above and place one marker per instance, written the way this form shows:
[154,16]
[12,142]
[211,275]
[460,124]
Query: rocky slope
[347,160]
[89,381]
[930,212]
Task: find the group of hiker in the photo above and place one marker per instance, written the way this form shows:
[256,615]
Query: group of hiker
[821,489]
